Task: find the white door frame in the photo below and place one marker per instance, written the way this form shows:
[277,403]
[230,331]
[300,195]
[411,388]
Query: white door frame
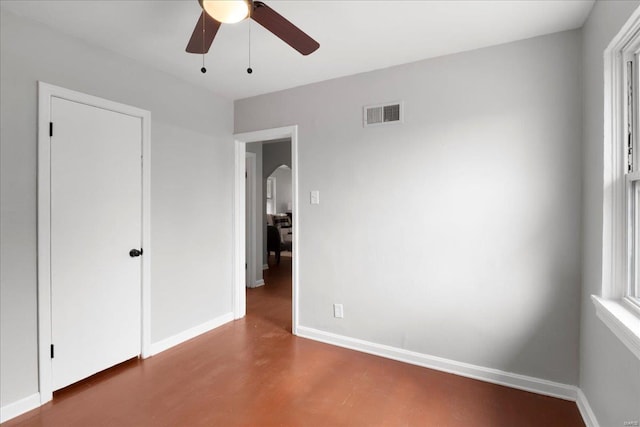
[241,139]
[251,182]
[45,93]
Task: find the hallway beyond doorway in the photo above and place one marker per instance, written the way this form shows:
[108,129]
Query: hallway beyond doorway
[272,302]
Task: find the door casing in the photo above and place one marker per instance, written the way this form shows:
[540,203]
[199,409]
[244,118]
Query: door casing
[45,93]
[239,232]
[251,213]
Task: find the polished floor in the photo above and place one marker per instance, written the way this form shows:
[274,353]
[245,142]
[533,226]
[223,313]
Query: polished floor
[253,372]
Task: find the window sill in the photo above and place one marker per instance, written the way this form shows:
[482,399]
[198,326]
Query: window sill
[624,323]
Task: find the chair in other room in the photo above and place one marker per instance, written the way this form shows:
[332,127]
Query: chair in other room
[273,242]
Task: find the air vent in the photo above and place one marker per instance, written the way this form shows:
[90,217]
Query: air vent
[383,114]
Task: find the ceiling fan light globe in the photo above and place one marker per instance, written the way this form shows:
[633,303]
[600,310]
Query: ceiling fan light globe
[226,11]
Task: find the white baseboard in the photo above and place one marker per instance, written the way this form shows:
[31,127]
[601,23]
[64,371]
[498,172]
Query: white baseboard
[259,283]
[265,266]
[183,336]
[14,409]
[585,410]
[522,382]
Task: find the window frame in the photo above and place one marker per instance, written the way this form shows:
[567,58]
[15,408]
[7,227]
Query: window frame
[271,196]
[631,122]
[614,306]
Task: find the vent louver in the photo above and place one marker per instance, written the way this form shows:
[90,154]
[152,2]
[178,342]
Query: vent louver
[374,115]
[383,114]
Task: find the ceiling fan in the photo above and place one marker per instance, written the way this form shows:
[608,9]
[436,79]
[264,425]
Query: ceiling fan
[216,12]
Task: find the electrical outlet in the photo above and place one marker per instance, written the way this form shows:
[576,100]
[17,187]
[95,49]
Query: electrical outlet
[338,311]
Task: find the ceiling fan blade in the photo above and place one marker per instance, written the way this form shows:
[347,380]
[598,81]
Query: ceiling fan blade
[200,41]
[285,30]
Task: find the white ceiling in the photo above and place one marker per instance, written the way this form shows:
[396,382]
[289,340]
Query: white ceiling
[354,36]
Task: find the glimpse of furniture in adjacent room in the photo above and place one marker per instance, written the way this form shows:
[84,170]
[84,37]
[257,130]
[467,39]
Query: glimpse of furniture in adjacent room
[273,243]
[279,235]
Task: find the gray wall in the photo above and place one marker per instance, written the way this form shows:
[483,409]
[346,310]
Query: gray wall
[275,154]
[457,233]
[283,189]
[192,187]
[609,372]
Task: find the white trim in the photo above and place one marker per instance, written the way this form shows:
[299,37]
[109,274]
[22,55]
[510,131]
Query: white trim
[622,322]
[146,235]
[167,343]
[45,93]
[615,212]
[265,266]
[250,234]
[614,183]
[238,294]
[631,305]
[295,229]
[19,407]
[585,410]
[495,376]
[239,297]
[615,242]
[258,283]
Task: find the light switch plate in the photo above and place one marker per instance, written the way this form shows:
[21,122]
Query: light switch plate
[338,311]
[315,197]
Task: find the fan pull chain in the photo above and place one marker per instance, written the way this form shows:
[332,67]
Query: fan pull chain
[203,69]
[249,70]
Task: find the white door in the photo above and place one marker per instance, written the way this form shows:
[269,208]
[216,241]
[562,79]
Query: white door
[96,219]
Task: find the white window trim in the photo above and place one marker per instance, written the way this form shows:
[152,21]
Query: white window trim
[271,207]
[611,307]
[622,321]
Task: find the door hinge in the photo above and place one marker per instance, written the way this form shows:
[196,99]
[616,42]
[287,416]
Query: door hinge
[246,175]
[52,351]
[50,128]
[245,266]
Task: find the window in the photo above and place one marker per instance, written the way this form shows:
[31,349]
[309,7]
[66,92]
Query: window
[619,303]
[631,90]
[271,195]
[633,291]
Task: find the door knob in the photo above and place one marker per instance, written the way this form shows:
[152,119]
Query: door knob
[135,253]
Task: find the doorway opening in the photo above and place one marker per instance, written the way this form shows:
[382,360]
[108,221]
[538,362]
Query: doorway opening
[266,222]
[269,231]
[279,210]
